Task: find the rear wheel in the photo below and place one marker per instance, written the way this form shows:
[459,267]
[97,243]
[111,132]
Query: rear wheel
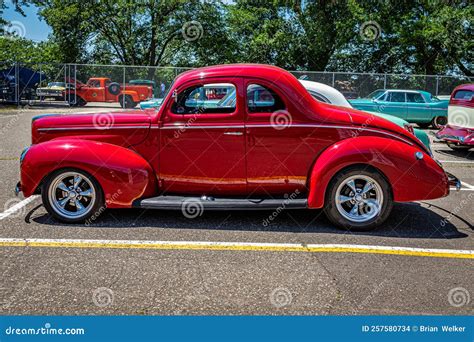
[439,121]
[72,195]
[76,101]
[358,199]
[127,101]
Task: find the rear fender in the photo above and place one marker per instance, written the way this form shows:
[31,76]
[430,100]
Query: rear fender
[410,179]
[123,174]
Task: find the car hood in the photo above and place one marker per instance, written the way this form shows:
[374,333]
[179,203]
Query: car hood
[123,128]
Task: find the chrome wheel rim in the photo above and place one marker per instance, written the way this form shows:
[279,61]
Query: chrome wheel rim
[359,198]
[72,195]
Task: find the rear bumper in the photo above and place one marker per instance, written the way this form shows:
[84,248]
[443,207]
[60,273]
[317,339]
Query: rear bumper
[17,189]
[453,181]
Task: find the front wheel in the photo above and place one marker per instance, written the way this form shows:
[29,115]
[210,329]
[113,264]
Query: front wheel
[358,199]
[72,195]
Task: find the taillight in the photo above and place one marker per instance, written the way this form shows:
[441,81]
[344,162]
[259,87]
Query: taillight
[409,128]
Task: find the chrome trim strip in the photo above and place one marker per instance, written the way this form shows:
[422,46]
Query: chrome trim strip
[86,128]
[200,127]
[183,127]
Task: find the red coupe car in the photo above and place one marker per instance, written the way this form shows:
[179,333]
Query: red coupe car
[272,146]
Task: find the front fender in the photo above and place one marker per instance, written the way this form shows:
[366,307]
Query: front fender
[123,174]
[410,179]
[133,94]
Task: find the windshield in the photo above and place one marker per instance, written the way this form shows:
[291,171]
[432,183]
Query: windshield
[56,84]
[376,94]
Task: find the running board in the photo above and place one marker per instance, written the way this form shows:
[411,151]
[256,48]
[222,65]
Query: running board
[211,203]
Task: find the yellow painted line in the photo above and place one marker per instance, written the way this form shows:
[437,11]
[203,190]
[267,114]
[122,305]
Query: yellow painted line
[237,246]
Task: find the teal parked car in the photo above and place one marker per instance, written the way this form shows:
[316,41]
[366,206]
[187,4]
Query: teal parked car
[416,106]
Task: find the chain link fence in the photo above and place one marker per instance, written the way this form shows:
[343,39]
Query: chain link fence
[125,86]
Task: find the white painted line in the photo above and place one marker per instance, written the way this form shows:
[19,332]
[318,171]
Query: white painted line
[17,206]
[237,246]
[456,162]
[469,186]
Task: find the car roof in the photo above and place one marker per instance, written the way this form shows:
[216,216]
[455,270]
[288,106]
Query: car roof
[406,91]
[268,72]
[467,86]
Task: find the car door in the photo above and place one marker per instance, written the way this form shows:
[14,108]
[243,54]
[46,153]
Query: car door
[95,91]
[394,104]
[279,153]
[418,110]
[203,146]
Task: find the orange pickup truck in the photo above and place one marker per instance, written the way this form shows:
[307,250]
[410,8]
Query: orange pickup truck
[102,89]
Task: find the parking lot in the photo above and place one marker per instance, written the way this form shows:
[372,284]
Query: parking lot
[230,262]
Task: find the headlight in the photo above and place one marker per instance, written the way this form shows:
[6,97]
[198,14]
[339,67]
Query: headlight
[23,154]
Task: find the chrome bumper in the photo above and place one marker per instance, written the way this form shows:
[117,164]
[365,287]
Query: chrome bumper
[17,189]
[454,181]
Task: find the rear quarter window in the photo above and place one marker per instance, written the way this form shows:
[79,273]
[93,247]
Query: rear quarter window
[463,95]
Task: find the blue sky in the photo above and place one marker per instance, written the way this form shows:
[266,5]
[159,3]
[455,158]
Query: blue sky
[33,28]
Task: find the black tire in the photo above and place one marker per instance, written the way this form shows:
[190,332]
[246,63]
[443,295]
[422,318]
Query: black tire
[114,88]
[338,219]
[455,147]
[76,101]
[127,101]
[424,124]
[96,208]
[439,121]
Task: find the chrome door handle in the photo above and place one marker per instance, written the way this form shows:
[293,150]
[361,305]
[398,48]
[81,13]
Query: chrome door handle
[233,133]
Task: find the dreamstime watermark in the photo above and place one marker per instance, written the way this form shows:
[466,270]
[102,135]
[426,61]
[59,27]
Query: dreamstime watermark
[15,29]
[459,117]
[281,297]
[280,208]
[13,208]
[377,289]
[103,121]
[177,133]
[192,31]
[281,119]
[96,214]
[462,204]
[13,122]
[355,133]
[458,297]
[102,297]
[192,208]
[370,30]
[46,330]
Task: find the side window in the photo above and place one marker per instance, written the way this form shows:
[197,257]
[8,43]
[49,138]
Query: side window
[201,99]
[463,95]
[397,96]
[94,83]
[415,97]
[261,99]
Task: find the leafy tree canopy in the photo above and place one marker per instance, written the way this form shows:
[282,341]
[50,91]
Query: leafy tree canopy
[421,36]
